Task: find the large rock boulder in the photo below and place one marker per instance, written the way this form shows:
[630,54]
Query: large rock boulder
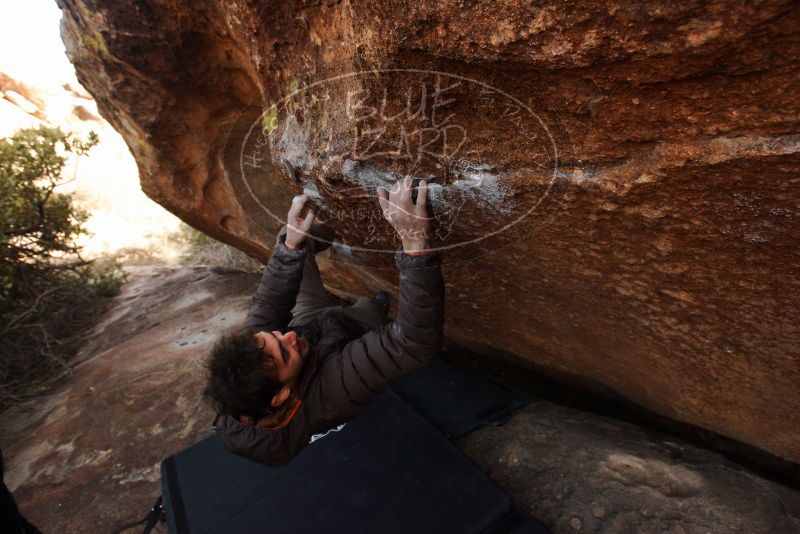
[615,185]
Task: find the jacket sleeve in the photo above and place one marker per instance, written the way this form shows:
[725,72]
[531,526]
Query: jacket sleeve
[370,364]
[271,307]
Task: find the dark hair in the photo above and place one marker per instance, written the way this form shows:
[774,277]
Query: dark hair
[241,379]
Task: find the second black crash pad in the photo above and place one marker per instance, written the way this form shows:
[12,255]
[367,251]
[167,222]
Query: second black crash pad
[388,471]
[458,401]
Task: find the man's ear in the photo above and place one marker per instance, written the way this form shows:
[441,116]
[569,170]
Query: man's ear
[281,396]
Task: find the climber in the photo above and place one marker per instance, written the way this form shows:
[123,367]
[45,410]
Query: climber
[303,365]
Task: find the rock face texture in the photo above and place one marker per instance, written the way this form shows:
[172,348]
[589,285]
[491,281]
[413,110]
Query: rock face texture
[85,457]
[614,185]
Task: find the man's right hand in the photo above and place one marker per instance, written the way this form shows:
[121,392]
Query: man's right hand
[410,221]
[297,227]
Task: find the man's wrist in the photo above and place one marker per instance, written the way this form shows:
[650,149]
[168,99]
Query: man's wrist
[416,247]
[290,245]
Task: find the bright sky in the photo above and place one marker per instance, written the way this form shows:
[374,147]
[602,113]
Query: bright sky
[30,43]
[107,181]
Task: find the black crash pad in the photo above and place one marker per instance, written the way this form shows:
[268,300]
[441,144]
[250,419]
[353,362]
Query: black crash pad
[458,401]
[387,471]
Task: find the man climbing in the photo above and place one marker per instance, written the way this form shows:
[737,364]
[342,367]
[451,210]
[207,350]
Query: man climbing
[304,364]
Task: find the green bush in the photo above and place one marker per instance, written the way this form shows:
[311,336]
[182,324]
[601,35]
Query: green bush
[49,295]
[193,237]
[202,249]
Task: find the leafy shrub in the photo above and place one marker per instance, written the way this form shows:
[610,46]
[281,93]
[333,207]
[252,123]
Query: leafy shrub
[201,249]
[49,295]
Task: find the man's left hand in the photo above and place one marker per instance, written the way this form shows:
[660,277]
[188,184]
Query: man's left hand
[297,227]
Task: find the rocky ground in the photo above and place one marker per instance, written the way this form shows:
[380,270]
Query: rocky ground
[84,457]
[580,472]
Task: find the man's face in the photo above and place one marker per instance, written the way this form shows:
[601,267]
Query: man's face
[287,350]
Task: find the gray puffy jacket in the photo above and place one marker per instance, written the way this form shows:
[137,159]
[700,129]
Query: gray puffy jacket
[336,383]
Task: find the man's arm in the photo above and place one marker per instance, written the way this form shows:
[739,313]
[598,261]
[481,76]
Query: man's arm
[370,364]
[271,307]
